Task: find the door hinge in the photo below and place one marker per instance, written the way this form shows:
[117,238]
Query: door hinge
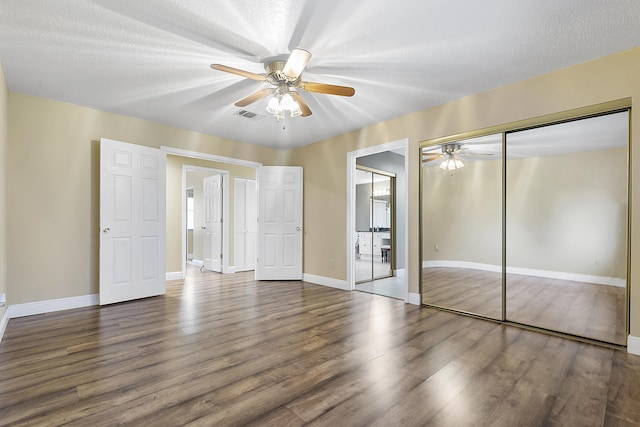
[220,256]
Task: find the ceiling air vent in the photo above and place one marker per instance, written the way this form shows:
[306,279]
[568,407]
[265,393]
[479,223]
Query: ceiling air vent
[248,115]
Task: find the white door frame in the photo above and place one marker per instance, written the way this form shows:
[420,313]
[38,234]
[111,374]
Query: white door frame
[401,144]
[203,156]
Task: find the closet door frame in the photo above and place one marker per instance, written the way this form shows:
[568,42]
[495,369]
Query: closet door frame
[542,121]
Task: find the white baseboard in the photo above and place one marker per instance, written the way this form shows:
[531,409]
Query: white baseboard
[174,275]
[575,277]
[196,262]
[41,307]
[461,264]
[228,270]
[326,281]
[633,345]
[413,299]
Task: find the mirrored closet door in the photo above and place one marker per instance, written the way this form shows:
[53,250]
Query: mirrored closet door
[566,227]
[374,219]
[537,235]
[462,225]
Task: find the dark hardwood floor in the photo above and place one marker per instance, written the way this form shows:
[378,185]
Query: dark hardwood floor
[226,350]
[584,309]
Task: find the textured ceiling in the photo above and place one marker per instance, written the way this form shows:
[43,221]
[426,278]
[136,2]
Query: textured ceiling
[150,58]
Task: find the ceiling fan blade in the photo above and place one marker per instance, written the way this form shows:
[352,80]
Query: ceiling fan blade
[296,63]
[329,89]
[430,157]
[472,153]
[254,97]
[238,72]
[306,111]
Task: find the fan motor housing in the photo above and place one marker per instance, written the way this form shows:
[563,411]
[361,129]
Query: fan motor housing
[275,75]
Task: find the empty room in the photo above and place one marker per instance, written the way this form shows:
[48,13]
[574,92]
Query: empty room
[319,213]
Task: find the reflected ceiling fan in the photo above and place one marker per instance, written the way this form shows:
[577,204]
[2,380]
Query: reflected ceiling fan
[285,80]
[451,155]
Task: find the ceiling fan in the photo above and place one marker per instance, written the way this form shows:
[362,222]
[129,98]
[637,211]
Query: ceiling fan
[452,156]
[285,80]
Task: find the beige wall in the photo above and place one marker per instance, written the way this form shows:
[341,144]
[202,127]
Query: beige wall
[174,204]
[606,79]
[569,213]
[565,213]
[462,213]
[3,190]
[53,203]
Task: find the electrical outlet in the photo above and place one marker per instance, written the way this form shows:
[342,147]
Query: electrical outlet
[332,263]
[3,299]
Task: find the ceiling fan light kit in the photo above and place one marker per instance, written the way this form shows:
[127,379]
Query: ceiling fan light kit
[451,163]
[284,77]
[281,102]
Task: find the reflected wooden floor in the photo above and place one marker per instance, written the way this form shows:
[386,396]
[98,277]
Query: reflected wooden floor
[226,350]
[584,309]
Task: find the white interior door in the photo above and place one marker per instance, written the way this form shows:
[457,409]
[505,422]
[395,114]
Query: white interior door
[132,221]
[245,224]
[279,223]
[212,191]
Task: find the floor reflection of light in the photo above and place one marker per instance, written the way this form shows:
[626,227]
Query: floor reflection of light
[379,338]
[448,384]
[188,308]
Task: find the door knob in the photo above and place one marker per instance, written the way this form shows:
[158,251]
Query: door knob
[297,228]
[203,227]
[106,230]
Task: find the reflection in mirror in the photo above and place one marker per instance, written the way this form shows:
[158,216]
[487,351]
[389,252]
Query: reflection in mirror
[381,222]
[373,254]
[363,264]
[462,225]
[566,227]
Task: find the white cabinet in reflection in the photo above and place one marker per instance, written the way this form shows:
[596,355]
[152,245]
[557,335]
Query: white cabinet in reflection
[364,242]
[372,243]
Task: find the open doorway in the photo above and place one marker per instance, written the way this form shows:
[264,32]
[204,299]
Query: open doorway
[177,230]
[376,220]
